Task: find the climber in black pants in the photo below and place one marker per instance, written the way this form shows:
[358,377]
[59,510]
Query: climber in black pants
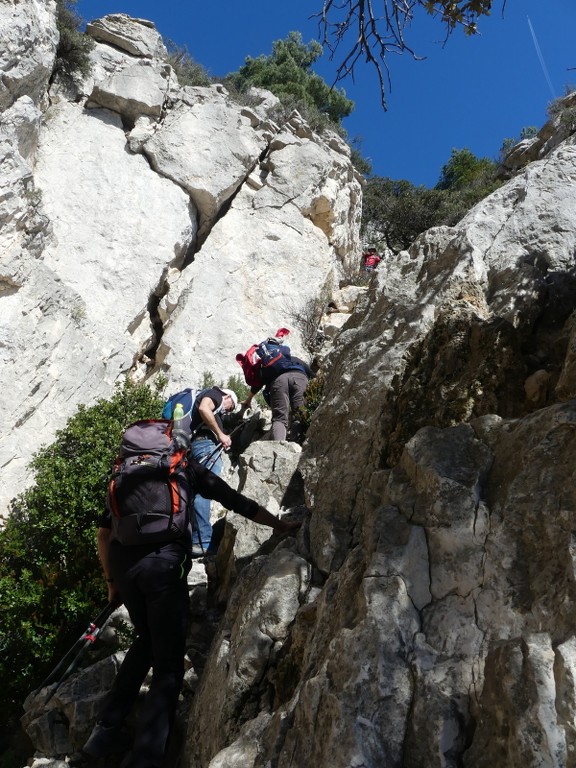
[151,580]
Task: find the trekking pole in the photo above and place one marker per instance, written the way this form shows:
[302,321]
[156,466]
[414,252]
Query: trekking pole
[70,661]
[213,457]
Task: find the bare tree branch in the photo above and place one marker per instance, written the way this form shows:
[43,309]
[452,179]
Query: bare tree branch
[374,29]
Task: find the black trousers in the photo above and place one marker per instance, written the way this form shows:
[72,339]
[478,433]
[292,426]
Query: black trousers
[154,589]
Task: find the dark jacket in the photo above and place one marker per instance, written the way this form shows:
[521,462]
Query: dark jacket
[208,485]
[289,362]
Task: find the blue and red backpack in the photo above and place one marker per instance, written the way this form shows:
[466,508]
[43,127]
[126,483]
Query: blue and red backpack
[264,361]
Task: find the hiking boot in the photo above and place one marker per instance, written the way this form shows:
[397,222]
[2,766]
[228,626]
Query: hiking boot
[127,762]
[198,551]
[104,740]
[131,762]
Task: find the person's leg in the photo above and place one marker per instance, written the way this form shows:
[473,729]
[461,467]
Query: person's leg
[106,734]
[167,599]
[280,405]
[297,384]
[202,531]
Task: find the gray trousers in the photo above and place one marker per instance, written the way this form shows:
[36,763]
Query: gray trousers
[286,393]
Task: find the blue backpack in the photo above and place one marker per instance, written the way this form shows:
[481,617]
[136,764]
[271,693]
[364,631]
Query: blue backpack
[274,357]
[187,398]
[269,352]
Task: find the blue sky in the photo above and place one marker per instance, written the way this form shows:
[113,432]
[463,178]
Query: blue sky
[470,92]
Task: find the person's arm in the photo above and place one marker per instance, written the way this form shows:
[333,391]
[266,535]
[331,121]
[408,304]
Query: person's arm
[211,486]
[206,411]
[276,523]
[103,550]
[248,401]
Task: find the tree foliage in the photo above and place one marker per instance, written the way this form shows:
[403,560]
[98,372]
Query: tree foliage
[287,73]
[73,51]
[464,170]
[370,31]
[50,580]
[398,211]
[362,164]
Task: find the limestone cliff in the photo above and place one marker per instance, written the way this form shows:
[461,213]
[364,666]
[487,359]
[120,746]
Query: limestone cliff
[146,227]
[425,613]
[433,592]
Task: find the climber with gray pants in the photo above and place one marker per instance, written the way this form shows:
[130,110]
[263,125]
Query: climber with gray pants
[284,377]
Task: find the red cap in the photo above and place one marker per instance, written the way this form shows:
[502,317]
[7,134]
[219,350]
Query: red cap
[281,332]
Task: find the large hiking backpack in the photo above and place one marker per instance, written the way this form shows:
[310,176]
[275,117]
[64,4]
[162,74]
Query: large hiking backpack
[264,361]
[269,352]
[149,493]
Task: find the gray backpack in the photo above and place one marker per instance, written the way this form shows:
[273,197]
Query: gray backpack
[149,493]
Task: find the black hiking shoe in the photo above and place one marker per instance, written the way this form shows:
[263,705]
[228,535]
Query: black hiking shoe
[105,740]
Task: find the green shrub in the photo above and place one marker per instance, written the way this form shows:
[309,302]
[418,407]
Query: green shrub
[50,578]
[208,380]
[312,397]
[399,211]
[464,170]
[73,51]
[317,120]
[361,164]
[237,384]
[188,71]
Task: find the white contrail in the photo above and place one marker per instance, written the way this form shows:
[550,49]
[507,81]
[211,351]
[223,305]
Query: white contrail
[541,59]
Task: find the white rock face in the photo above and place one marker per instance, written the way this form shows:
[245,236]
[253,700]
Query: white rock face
[20,125]
[111,216]
[28,39]
[101,272]
[208,147]
[258,264]
[424,613]
[334,323]
[138,37]
[140,89]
